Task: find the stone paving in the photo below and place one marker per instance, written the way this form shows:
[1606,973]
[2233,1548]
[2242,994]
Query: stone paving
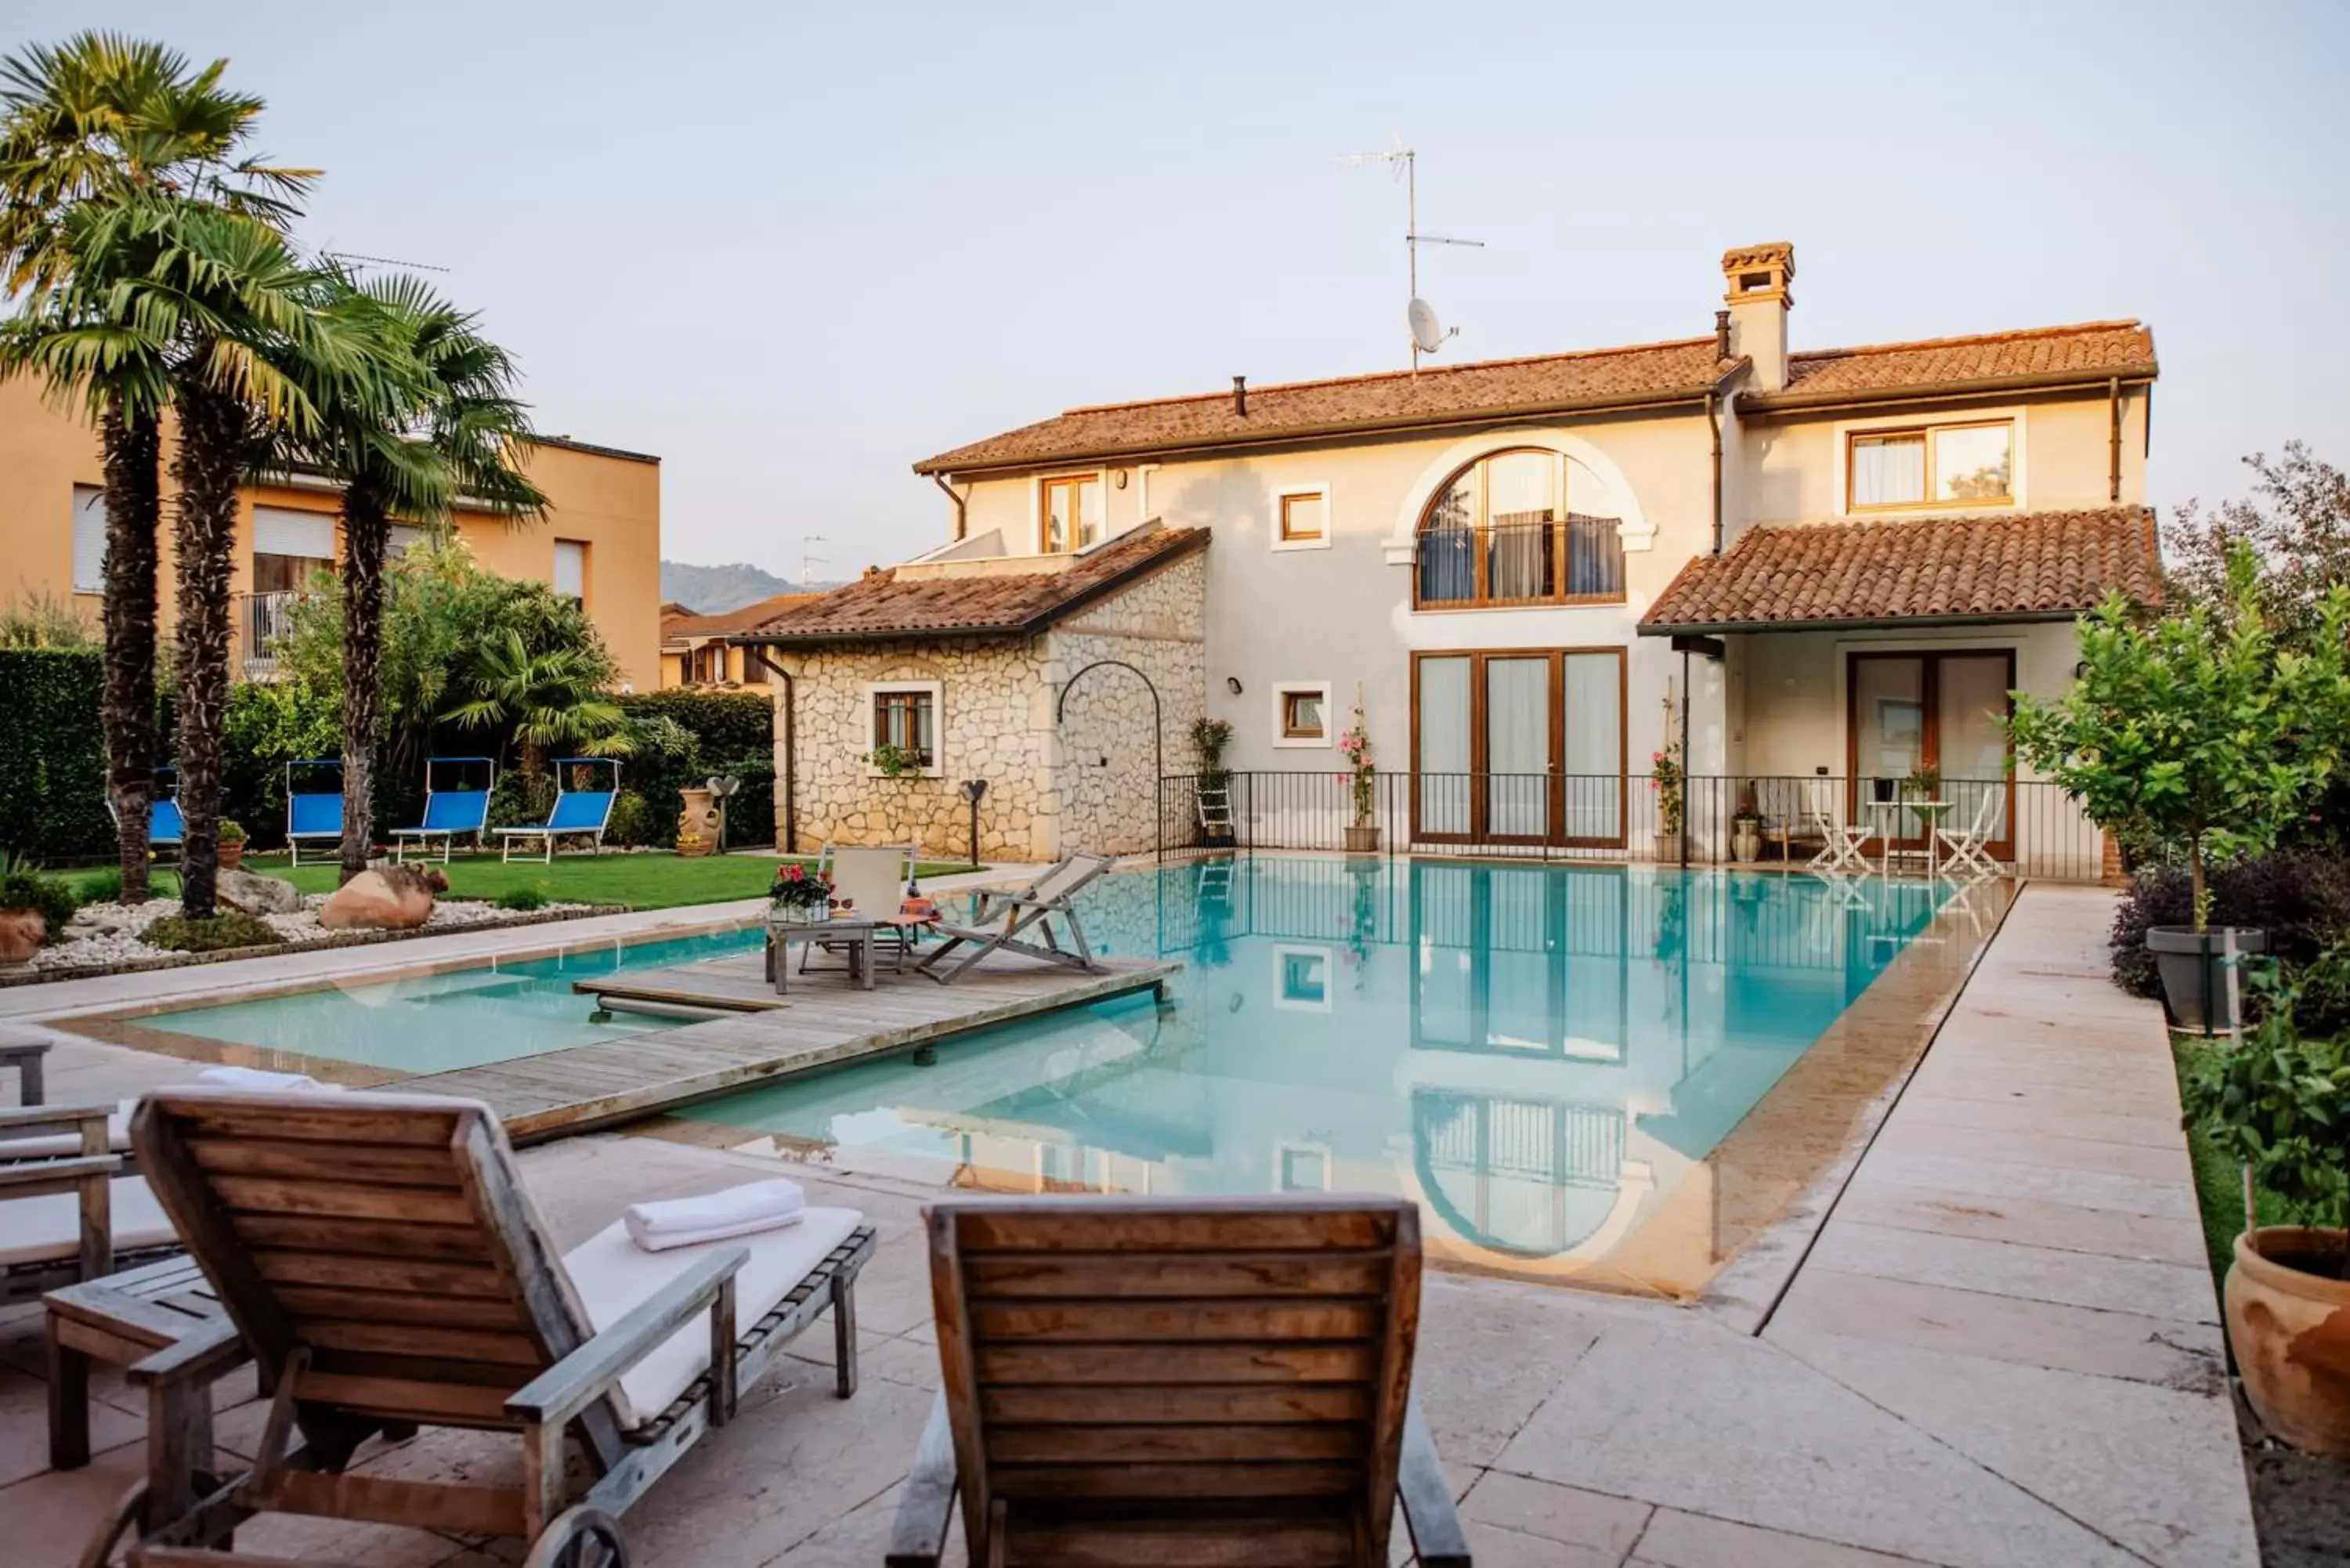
[2000,1349]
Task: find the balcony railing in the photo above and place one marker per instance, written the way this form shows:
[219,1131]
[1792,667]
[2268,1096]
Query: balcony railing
[1577,561]
[261,620]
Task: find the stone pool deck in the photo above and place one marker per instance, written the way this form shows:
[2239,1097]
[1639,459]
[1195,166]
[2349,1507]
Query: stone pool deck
[2000,1349]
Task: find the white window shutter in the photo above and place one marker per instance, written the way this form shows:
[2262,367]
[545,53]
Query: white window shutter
[284,531]
[570,569]
[88,539]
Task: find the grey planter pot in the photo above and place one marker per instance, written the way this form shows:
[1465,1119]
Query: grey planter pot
[2189,963]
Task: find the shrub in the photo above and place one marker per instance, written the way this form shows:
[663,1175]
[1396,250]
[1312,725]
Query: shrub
[633,822]
[2300,898]
[522,800]
[232,831]
[100,887]
[22,888]
[2274,1101]
[522,899]
[269,724]
[229,929]
[52,755]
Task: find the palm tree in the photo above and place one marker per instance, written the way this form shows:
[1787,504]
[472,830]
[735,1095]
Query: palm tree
[552,697]
[427,416]
[92,121]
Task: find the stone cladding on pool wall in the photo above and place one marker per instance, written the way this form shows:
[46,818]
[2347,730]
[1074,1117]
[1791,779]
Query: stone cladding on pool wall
[1089,783]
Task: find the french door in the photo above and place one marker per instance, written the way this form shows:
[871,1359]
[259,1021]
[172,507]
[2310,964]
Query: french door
[1522,746]
[1944,711]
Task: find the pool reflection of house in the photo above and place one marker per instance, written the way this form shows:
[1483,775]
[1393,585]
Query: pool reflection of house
[1540,1056]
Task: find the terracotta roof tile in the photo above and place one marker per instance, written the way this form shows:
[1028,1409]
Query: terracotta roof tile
[678,622]
[1393,399]
[2091,349]
[882,604]
[2012,566]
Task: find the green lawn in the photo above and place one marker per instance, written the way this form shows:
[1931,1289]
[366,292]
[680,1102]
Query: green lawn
[640,881]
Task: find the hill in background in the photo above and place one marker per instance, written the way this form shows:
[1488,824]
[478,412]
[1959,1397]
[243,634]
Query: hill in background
[714,590]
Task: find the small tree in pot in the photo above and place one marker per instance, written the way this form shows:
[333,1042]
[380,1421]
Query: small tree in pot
[2200,732]
[2279,1101]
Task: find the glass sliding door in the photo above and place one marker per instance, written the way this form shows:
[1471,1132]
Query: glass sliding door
[1517,766]
[1444,724]
[1519,746]
[1944,711]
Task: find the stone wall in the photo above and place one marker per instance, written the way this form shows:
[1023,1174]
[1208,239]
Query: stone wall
[994,715]
[1107,771]
[1091,784]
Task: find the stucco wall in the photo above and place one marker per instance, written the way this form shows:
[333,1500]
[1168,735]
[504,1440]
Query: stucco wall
[612,505]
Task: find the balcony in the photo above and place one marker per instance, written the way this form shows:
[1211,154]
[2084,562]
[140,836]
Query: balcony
[1577,561]
[261,620]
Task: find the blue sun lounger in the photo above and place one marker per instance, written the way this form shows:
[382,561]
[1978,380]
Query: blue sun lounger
[447,812]
[577,813]
[315,816]
[166,829]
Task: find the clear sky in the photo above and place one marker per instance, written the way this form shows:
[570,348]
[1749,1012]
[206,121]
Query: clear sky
[792,250]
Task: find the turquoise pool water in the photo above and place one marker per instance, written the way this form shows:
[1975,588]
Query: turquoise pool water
[1545,1057]
[457,1018]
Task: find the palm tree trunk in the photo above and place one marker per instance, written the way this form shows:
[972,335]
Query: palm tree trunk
[366,530]
[134,450]
[214,432]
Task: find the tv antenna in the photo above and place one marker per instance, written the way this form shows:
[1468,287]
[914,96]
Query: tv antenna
[812,556]
[1427,333]
[361,262]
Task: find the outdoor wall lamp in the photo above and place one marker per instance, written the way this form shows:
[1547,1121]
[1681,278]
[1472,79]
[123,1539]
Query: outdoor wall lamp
[1232,684]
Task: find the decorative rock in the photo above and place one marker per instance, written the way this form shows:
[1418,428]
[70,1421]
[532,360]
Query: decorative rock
[258,895]
[384,897]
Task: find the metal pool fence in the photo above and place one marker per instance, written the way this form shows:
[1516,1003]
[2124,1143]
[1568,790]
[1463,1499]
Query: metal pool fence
[2030,827]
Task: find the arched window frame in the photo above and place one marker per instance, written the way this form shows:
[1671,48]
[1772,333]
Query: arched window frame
[1473,563]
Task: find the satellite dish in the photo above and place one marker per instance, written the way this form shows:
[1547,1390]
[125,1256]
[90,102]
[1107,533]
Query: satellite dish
[1427,332]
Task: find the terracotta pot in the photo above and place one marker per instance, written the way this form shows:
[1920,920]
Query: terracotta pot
[2288,1311]
[232,855]
[21,931]
[1362,841]
[697,825]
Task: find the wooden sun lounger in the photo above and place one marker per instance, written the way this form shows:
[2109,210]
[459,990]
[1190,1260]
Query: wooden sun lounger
[1131,1381]
[1003,920]
[377,1256]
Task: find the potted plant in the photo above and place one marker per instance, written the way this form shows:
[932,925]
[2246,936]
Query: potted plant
[1665,779]
[1211,738]
[1746,827]
[800,895]
[2200,732]
[1362,786]
[34,909]
[2274,1100]
[232,844]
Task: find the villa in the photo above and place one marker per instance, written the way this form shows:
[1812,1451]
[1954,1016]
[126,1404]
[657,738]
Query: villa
[1810,572]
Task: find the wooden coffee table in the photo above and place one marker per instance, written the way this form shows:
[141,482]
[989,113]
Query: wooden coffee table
[121,1319]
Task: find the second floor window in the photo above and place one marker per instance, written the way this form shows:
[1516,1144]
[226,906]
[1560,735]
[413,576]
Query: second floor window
[1499,533]
[1071,513]
[290,548]
[1933,465]
[571,571]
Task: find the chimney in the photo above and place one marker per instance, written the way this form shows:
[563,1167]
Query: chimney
[1721,334]
[1759,300]
[1240,396]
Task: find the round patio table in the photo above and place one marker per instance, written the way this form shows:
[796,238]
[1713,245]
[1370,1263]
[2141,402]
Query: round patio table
[1930,811]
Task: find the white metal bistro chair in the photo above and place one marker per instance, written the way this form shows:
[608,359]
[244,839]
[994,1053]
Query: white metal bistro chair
[1966,849]
[1843,844]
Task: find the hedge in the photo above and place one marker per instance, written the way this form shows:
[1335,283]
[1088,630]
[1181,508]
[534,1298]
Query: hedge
[52,754]
[733,733]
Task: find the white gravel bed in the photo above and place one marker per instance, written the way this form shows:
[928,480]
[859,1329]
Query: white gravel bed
[107,934]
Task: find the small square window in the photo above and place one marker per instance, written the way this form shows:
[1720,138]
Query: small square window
[1306,977]
[1301,715]
[1304,516]
[1304,1170]
[906,718]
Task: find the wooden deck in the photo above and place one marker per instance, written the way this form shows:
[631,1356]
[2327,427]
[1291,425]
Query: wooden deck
[824,1021]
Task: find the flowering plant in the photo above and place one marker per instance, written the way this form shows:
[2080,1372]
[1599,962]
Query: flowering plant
[1665,778]
[800,889]
[1356,746]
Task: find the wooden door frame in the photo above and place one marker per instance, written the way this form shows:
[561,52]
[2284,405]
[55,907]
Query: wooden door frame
[1553,832]
[1929,740]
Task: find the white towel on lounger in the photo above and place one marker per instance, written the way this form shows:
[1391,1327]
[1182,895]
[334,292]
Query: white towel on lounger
[231,1077]
[715,1216]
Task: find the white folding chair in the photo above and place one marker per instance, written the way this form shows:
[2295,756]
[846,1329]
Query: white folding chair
[1964,847]
[1843,844]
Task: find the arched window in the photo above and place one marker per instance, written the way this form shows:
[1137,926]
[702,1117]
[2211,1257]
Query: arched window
[1501,532]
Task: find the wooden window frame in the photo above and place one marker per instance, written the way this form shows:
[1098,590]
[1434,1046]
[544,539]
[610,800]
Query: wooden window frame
[1283,538]
[1929,742]
[1480,526]
[1284,695]
[882,695]
[1929,434]
[1554,810]
[1074,483]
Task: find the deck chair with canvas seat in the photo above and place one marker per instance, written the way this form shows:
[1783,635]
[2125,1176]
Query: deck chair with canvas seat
[577,812]
[1131,1381]
[314,814]
[1001,922]
[166,829]
[68,1211]
[377,1256]
[872,880]
[450,809]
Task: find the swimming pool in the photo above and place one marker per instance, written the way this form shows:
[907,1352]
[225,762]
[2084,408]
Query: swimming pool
[1551,1059]
[432,1023]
